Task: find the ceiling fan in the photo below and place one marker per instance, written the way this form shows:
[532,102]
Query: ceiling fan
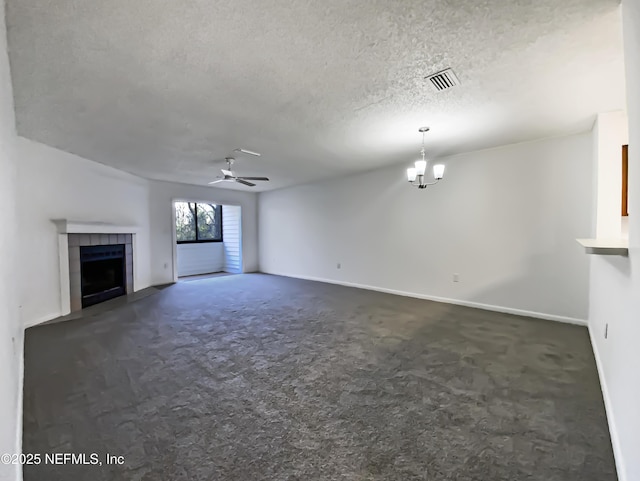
[229,176]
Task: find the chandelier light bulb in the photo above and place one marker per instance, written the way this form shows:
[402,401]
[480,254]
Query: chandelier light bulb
[438,171]
[411,174]
[421,167]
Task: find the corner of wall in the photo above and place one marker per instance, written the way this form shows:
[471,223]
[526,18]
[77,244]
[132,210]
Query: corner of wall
[613,430]
[615,284]
[11,332]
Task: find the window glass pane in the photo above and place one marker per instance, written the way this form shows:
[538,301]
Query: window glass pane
[185,221]
[209,222]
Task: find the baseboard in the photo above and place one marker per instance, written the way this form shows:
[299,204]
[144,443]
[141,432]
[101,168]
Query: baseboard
[613,431]
[55,315]
[446,300]
[19,407]
[42,319]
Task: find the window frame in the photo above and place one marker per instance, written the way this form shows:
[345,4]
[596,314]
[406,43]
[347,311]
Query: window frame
[625,180]
[198,241]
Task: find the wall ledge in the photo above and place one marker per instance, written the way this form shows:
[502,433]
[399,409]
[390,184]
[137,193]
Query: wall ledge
[610,247]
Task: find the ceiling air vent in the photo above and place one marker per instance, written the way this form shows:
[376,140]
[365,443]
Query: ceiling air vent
[443,80]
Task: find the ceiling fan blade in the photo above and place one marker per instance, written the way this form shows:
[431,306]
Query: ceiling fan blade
[248,152]
[216,181]
[240,181]
[253,178]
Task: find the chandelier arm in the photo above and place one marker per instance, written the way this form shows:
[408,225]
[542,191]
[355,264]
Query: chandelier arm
[432,183]
[423,185]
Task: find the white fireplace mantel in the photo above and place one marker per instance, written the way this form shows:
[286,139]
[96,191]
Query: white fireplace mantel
[66,226]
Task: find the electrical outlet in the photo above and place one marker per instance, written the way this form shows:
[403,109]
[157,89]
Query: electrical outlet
[456,277]
[338,266]
[606,330]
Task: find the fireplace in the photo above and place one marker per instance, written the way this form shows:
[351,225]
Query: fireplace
[100,268]
[102,273]
[76,235]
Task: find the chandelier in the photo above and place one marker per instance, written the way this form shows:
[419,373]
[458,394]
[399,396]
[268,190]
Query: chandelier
[415,175]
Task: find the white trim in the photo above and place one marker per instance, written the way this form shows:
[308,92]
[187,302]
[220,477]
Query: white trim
[446,300]
[41,319]
[174,241]
[20,407]
[135,257]
[80,227]
[241,246]
[65,287]
[613,431]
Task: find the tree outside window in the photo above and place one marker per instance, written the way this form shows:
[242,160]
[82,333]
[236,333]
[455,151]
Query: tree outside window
[198,222]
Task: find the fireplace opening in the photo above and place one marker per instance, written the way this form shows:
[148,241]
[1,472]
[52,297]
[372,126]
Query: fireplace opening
[103,273]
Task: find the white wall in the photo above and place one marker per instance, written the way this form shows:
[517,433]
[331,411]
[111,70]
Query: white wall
[504,219]
[161,197]
[56,185]
[53,184]
[11,333]
[615,288]
[610,133]
[205,258]
[232,233]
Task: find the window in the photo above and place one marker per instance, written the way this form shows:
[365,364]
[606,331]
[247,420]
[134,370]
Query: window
[197,222]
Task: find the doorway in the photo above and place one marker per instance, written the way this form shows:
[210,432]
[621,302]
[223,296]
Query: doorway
[208,238]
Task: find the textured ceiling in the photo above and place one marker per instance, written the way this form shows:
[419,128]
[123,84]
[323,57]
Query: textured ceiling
[159,88]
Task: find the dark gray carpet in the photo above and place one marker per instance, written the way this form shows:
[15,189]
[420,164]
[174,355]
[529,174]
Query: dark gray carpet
[257,377]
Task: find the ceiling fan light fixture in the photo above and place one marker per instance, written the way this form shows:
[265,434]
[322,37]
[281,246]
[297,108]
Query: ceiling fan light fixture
[229,176]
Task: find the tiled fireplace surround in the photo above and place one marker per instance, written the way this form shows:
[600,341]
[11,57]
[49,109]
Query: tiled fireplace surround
[76,241]
[74,234]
